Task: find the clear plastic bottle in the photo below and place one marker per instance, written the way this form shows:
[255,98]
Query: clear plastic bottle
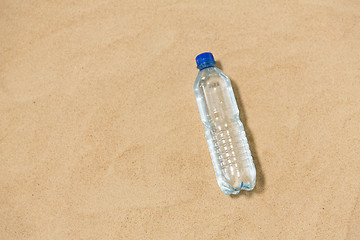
[228,145]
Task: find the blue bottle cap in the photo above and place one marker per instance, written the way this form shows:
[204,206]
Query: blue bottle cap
[205,60]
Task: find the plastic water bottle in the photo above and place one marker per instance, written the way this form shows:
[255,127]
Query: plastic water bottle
[228,146]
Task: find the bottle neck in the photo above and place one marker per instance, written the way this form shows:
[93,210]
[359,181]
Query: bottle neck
[206,65]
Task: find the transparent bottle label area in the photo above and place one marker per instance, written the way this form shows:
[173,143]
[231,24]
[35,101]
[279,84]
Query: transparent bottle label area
[228,145]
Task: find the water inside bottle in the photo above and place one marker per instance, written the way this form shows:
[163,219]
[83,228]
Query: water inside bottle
[224,131]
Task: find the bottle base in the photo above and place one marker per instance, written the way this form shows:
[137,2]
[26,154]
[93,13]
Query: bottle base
[234,191]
